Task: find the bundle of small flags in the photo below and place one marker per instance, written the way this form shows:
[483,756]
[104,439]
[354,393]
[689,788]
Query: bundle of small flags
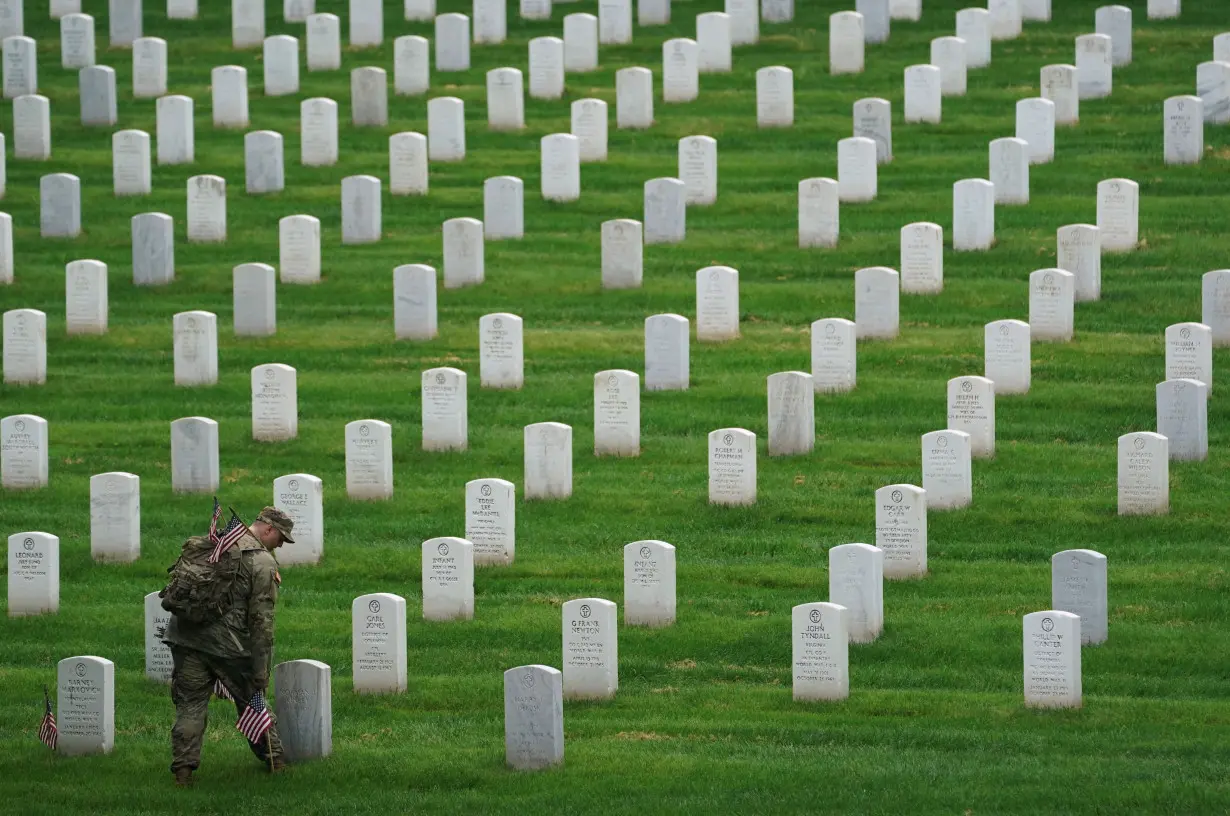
[48,734]
[225,539]
[220,691]
[255,719]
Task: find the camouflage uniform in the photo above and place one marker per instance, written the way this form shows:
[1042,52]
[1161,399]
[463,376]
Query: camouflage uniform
[238,650]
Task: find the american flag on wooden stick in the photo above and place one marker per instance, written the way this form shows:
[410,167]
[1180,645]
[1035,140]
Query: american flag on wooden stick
[48,734]
[225,539]
[255,720]
[220,691]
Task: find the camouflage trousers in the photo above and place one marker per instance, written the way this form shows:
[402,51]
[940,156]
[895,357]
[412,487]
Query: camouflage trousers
[192,684]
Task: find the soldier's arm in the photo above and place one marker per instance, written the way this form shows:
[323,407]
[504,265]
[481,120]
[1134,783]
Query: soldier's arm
[260,619]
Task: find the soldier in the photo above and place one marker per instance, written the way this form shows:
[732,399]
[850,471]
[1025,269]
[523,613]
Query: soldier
[234,645]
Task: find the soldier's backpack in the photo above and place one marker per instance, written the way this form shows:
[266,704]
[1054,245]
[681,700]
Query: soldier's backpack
[199,592]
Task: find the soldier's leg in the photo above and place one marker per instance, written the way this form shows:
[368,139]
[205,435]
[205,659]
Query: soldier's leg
[237,676]
[191,684]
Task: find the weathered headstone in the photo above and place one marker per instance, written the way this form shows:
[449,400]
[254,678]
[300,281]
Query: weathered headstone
[971,408]
[1182,417]
[857,178]
[301,496]
[666,353]
[617,413]
[973,215]
[446,129]
[877,299]
[85,706]
[1060,84]
[324,42]
[207,209]
[591,653]
[59,198]
[25,347]
[560,164]
[717,304]
[369,97]
[665,220]
[775,97]
[1006,356]
[124,18]
[649,584]
[1116,23]
[820,663]
[411,65]
[614,25]
[633,98]
[833,355]
[444,414]
[819,213]
[1213,88]
[194,455]
[680,71]
[491,20]
[580,43]
[1189,352]
[846,46]
[452,43]
[505,99]
[1005,19]
[408,164]
[149,67]
[491,520]
[96,87]
[158,661]
[303,704]
[369,459]
[876,20]
[361,210]
[263,162]
[130,163]
[85,297]
[32,128]
[281,59]
[448,579]
[299,249]
[922,258]
[589,125]
[1051,295]
[76,41]
[546,68]
[1079,251]
[1184,130]
[873,120]
[946,469]
[901,530]
[948,54]
[622,254]
[175,130]
[247,23]
[195,349]
[153,249]
[923,97]
[792,413]
[548,461]
[503,208]
[275,403]
[1143,474]
[378,643]
[974,26]
[115,517]
[1093,66]
[229,92]
[1119,214]
[732,466]
[34,574]
[1078,585]
[1035,124]
[1215,305]
[20,67]
[463,252]
[713,42]
[533,717]
[1052,649]
[856,582]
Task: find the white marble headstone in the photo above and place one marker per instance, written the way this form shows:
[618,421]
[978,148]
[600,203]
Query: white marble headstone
[263,162]
[361,210]
[923,96]
[299,249]
[366,23]
[491,520]
[503,208]
[1093,66]
[876,20]
[877,299]
[1078,585]
[254,293]
[617,413]
[901,530]
[1006,356]
[1119,214]
[324,42]
[448,579]
[580,43]
[1182,417]
[446,129]
[452,43]
[680,71]
[301,496]
[32,128]
[819,213]
[408,168]
[491,20]
[206,209]
[1215,305]
[560,164]
[873,120]
[33,574]
[195,349]
[775,97]
[1079,251]
[444,413]
[411,65]
[1005,19]
[1035,124]
[974,26]
[744,21]
[153,249]
[85,297]
[59,196]
[633,98]
[589,125]
[25,347]
[546,68]
[622,254]
[158,661]
[792,413]
[713,42]
[378,643]
[463,252]
[548,461]
[905,9]
[281,59]
[1213,88]
[1116,22]
[96,87]
[820,648]
[176,131]
[149,67]
[229,89]
[505,99]
[1163,9]
[275,403]
[856,582]
[115,517]
[194,455]
[1184,130]
[23,452]
[369,97]
[1189,352]
[76,41]
[533,717]
[665,220]
[649,584]
[1052,650]
[732,466]
[414,302]
[833,355]
[303,704]
[369,459]
[666,353]
[973,215]
[698,169]
[85,706]
[717,304]
[124,19]
[948,54]
[1051,295]
[1143,474]
[247,23]
[1060,85]
[857,178]
[130,163]
[922,258]
[846,46]
[946,469]
[591,653]
[614,24]
[971,408]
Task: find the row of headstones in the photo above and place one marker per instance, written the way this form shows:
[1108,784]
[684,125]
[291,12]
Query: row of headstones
[85,707]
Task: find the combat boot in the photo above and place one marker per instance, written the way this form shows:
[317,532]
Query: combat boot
[183,778]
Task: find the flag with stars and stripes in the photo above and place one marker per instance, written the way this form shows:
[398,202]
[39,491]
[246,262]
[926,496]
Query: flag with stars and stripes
[220,691]
[255,719]
[48,734]
[224,539]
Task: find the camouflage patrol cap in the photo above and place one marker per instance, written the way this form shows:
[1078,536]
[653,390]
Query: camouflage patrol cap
[279,521]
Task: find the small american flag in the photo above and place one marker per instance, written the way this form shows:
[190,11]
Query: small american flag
[48,734]
[225,539]
[255,720]
[220,691]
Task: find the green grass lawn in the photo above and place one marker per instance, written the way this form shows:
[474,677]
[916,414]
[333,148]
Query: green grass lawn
[703,720]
